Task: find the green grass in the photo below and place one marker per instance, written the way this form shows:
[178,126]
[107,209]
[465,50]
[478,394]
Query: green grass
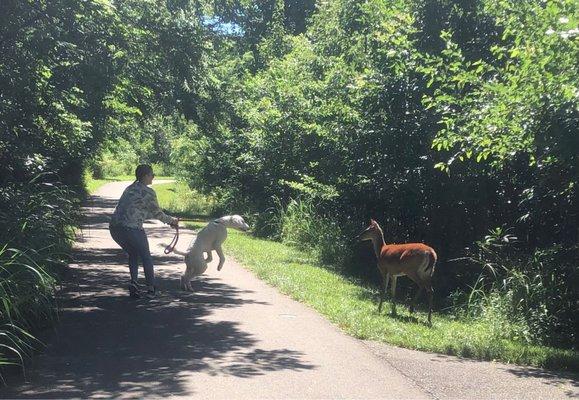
[353,307]
[180,200]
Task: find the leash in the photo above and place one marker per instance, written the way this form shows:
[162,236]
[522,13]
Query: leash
[173,243]
[171,246]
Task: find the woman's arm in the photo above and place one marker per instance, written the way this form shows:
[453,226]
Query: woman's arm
[152,205]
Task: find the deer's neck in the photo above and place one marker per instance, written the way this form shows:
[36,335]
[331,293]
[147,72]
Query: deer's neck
[378,242]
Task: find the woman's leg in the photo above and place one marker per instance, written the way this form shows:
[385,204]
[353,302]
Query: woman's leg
[138,240]
[123,239]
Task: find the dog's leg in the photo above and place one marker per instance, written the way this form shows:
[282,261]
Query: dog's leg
[219,251]
[187,281]
[209,257]
[190,277]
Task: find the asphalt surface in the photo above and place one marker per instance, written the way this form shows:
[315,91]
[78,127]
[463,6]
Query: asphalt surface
[234,337]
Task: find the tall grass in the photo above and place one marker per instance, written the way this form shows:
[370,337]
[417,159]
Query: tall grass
[527,296]
[302,226]
[27,293]
[181,199]
[36,218]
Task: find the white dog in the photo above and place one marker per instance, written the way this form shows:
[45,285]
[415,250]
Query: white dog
[208,239]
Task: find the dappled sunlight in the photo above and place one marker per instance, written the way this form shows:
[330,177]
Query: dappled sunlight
[109,345]
[156,345]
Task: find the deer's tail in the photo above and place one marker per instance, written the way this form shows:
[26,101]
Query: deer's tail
[431,262]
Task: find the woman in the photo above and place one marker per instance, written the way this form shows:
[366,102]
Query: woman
[138,203]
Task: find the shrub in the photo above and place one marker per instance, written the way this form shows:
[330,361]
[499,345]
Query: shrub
[525,297]
[302,226]
[184,200]
[118,158]
[33,243]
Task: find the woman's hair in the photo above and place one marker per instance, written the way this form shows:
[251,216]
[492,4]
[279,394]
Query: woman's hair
[142,170]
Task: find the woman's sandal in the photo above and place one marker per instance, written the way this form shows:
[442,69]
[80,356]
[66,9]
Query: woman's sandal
[151,293]
[134,291]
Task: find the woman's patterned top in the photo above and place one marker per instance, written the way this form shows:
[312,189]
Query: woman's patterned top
[137,204]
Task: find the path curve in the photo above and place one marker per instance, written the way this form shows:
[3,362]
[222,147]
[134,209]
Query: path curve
[233,338]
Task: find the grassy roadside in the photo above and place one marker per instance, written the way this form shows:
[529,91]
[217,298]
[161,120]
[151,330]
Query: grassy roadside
[180,200]
[353,307]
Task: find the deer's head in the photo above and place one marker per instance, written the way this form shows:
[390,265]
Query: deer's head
[372,231]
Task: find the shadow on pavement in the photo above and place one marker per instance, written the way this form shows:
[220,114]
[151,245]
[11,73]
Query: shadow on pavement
[107,344]
[552,378]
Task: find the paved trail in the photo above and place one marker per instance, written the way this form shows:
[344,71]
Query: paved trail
[234,337]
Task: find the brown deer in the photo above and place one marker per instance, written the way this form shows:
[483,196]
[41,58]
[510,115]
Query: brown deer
[415,260]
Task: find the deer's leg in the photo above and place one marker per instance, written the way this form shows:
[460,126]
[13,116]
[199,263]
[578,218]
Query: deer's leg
[393,288]
[430,292]
[413,305]
[418,282]
[384,286]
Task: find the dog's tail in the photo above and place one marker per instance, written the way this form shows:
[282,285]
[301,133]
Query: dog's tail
[181,253]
